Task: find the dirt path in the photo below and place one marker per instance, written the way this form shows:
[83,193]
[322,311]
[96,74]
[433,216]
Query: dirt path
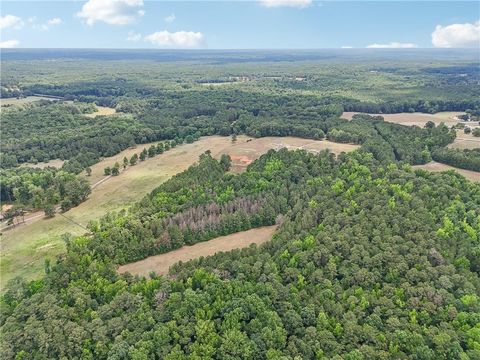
[162,263]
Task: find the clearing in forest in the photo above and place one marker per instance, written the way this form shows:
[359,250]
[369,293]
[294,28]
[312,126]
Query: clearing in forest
[465,141]
[57,163]
[435,166]
[160,264]
[419,119]
[101,110]
[246,150]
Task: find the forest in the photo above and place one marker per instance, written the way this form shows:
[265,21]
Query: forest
[370,260]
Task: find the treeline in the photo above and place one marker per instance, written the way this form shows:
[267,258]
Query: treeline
[34,188]
[424,106]
[371,261]
[468,159]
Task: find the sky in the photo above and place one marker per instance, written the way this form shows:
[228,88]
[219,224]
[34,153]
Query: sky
[257,24]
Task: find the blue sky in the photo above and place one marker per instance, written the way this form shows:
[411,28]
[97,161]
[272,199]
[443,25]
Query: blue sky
[261,24]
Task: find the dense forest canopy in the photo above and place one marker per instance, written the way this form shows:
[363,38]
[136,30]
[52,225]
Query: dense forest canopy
[370,261]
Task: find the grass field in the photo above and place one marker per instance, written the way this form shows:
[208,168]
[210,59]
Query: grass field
[465,141]
[160,264]
[434,166]
[24,248]
[101,110]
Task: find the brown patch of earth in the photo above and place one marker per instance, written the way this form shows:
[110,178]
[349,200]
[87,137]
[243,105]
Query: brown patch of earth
[160,264]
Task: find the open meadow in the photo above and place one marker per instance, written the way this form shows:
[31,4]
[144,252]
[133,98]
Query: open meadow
[101,110]
[465,141]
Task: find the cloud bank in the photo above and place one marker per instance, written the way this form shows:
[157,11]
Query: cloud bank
[457,35]
[285,3]
[179,39]
[112,12]
[393,45]
[9,44]
[12,21]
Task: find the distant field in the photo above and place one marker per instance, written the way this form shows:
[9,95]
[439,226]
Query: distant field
[24,248]
[434,166]
[20,101]
[419,119]
[465,141]
[101,110]
[161,263]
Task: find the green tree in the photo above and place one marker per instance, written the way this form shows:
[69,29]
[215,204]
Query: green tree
[225,162]
[133,159]
[152,151]
[49,210]
[116,169]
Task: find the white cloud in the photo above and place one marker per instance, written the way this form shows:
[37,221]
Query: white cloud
[347,47]
[11,21]
[179,39]
[457,35]
[51,22]
[55,21]
[133,36]
[285,3]
[170,18]
[9,44]
[393,45]
[113,12]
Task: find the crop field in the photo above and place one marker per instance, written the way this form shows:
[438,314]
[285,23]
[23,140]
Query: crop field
[435,166]
[24,248]
[160,264]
